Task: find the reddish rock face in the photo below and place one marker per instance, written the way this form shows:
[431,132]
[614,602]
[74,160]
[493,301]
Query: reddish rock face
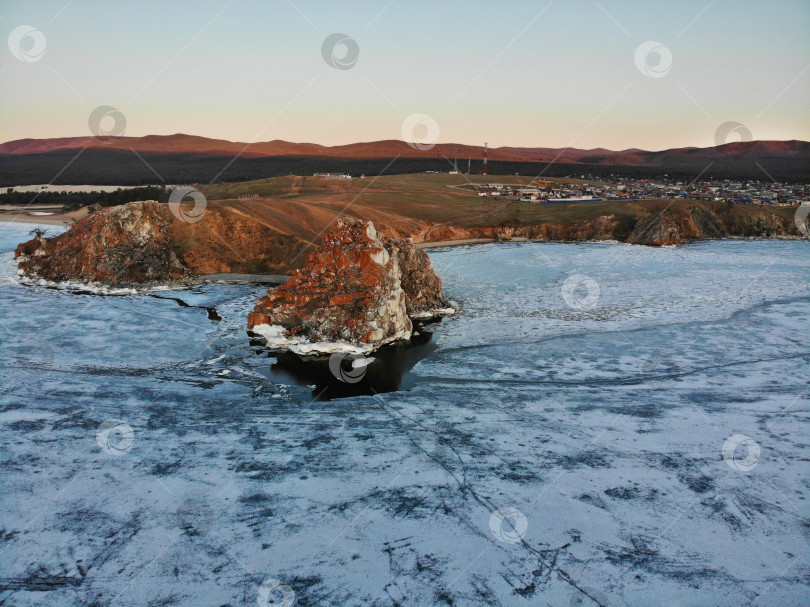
[357,291]
[118,246]
[144,243]
[35,246]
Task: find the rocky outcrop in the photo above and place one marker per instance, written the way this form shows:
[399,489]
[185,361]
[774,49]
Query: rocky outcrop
[120,246]
[659,230]
[651,223]
[143,243]
[356,292]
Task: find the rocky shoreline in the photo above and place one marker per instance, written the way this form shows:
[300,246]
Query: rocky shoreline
[358,291]
[143,243]
[671,225]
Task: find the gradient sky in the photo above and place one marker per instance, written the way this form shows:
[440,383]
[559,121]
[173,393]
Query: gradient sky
[546,74]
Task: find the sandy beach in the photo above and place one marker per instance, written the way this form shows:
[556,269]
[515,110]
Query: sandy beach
[34,215]
[452,243]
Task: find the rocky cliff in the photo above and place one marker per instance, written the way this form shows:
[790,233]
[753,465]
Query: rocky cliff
[144,243]
[651,223]
[356,292]
[123,245]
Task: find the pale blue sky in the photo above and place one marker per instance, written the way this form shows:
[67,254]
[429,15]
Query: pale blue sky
[485,71]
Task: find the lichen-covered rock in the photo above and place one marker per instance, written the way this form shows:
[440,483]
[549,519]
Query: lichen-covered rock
[119,246]
[357,292]
[424,295]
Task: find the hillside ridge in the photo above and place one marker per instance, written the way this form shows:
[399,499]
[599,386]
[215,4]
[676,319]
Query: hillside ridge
[181,143]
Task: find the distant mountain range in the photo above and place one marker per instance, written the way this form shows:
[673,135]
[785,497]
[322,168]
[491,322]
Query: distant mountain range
[390,148]
[185,158]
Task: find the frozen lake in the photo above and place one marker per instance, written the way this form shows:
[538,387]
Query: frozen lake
[569,440]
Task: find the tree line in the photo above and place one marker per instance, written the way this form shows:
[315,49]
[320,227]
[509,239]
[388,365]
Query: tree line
[113,167]
[70,201]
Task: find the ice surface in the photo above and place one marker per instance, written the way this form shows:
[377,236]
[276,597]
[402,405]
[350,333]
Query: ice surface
[603,426]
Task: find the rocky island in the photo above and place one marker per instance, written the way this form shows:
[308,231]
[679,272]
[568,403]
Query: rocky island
[357,292]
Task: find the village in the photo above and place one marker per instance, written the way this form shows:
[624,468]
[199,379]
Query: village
[585,190]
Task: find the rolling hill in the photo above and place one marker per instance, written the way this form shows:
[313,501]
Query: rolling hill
[186,158]
[190,144]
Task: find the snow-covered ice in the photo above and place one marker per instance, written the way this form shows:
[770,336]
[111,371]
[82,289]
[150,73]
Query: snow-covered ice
[547,454]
